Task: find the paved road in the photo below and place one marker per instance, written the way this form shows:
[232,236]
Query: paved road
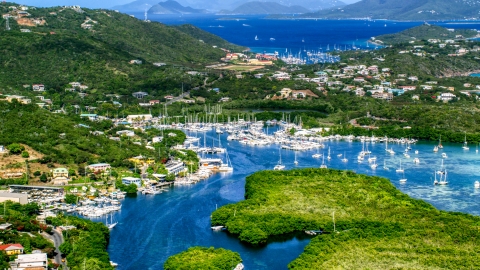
[57,239]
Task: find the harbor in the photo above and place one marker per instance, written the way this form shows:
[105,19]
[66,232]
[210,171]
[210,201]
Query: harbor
[172,221]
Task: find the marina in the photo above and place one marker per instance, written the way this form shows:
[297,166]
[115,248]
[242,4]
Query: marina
[172,221]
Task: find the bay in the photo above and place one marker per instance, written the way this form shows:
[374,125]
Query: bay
[152,228]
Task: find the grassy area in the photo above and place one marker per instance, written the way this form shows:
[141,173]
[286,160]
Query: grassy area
[377,226]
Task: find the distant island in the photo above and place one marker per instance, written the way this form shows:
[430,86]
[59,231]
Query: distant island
[173,7]
[257,7]
[425,32]
[404,10]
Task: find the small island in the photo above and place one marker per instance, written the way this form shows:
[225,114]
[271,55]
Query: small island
[425,32]
[205,258]
[362,222]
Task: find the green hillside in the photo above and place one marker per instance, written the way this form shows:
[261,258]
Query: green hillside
[61,51]
[376,226]
[425,32]
[405,10]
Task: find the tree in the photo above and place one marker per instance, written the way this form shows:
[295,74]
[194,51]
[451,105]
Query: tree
[25,154]
[43,178]
[131,189]
[70,198]
[37,173]
[170,177]
[15,148]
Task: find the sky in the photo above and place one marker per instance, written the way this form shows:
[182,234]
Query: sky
[90,3]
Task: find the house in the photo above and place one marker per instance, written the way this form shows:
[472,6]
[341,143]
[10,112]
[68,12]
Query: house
[359,92]
[224,99]
[128,133]
[136,62]
[175,167]
[359,80]
[259,75]
[99,167]
[60,172]
[158,64]
[132,180]
[11,249]
[169,97]
[415,97]
[157,139]
[25,30]
[446,97]
[153,102]
[408,88]
[140,95]
[37,261]
[38,87]
[187,101]
[91,116]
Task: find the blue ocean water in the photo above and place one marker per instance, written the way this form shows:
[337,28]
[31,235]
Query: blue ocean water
[152,228]
[475,75]
[297,34]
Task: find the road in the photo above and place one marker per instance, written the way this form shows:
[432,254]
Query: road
[57,239]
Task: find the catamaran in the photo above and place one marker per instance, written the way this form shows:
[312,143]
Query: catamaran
[443,176]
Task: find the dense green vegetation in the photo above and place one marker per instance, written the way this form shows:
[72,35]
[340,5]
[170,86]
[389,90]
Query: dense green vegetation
[84,247]
[25,230]
[425,32]
[203,258]
[41,130]
[61,51]
[376,226]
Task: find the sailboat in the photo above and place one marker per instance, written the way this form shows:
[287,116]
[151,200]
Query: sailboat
[465,147]
[403,179]
[329,157]
[385,165]
[344,159]
[440,146]
[296,161]
[374,165]
[390,151]
[112,224]
[279,166]
[323,166]
[317,155]
[477,184]
[400,169]
[256,37]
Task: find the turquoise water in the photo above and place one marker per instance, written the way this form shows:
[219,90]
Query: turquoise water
[152,228]
[475,75]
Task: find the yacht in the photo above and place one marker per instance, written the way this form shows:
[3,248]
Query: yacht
[477,184]
[256,37]
[444,155]
[435,149]
[416,160]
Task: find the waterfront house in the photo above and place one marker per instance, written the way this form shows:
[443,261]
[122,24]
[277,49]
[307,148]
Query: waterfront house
[139,117]
[132,180]
[11,249]
[175,167]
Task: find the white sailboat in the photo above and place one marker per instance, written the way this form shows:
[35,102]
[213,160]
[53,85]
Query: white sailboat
[296,161]
[279,166]
[400,169]
[416,160]
[256,37]
[323,166]
[329,157]
[385,165]
[440,146]
[403,179]
[344,159]
[465,147]
[374,165]
[444,155]
[317,155]
[477,184]
[112,224]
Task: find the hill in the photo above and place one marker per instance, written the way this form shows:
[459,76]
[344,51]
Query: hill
[173,7]
[374,224]
[425,32]
[95,47]
[265,8]
[405,10]
[218,5]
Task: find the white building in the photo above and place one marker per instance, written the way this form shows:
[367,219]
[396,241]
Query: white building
[445,97]
[30,261]
[132,180]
